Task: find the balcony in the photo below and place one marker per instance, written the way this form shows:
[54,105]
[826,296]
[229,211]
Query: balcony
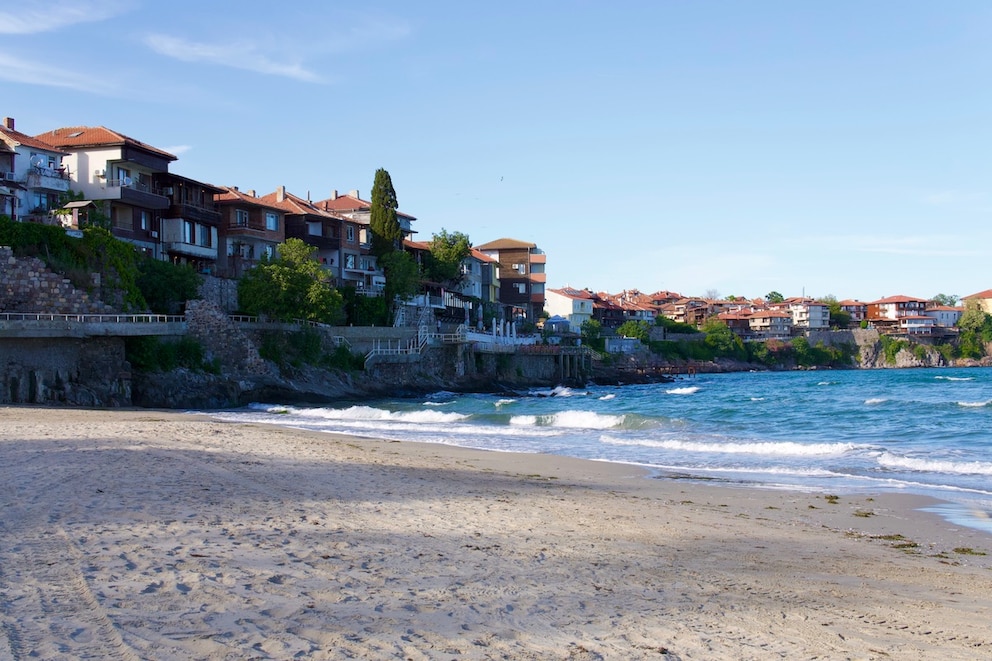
[53,179]
[191,250]
[196,213]
[131,192]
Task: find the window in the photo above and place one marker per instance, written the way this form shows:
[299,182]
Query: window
[124,176]
[144,218]
[241,218]
[351,233]
[269,251]
[188,230]
[349,261]
[271,221]
[521,287]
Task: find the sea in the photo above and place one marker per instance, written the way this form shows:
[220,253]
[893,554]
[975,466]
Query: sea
[922,431]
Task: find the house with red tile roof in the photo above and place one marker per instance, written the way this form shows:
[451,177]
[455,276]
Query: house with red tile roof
[770,324]
[893,308]
[522,277]
[575,305]
[118,173]
[32,175]
[982,299]
[250,229]
[352,206]
[857,309]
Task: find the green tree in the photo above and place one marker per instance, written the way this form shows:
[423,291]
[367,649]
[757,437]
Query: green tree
[592,334]
[950,300]
[291,286]
[638,329]
[774,297]
[721,339]
[839,318]
[387,234]
[443,264]
[402,276]
[167,286]
[976,331]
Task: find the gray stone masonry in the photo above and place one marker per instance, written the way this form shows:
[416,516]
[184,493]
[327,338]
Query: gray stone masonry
[27,285]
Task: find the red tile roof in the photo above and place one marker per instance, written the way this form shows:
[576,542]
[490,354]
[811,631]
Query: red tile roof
[297,205]
[20,139]
[96,136]
[351,203]
[234,195]
[982,294]
[899,299]
[506,244]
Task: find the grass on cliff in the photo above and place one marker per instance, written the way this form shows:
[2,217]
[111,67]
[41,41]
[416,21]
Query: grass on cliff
[308,348]
[152,354]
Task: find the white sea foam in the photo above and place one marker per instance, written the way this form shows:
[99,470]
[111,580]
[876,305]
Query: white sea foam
[570,420]
[688,390]
[372,413]
[503,402]
[955,378]
[757,399]
[782,448]
[975,404]
[606,398]
[871,401]
[889,460]
[436,403]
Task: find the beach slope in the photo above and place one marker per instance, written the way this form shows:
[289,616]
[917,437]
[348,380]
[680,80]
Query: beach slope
[159,535]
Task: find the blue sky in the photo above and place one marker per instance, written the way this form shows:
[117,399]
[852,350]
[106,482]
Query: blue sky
[732,147]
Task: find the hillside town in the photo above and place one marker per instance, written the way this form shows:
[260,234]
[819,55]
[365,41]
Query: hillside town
[63,175]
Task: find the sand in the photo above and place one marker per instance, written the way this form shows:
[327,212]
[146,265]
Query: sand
[160,535]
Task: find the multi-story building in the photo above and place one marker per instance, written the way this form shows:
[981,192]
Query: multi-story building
[119,173]
[342,243]
[249,230]
[32,175]
[575,305]
[189,229]
[855,308]
[807,313]
[770,324]
[893,308]
[358,210]
[522,277]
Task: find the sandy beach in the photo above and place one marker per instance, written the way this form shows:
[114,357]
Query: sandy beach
[158,535]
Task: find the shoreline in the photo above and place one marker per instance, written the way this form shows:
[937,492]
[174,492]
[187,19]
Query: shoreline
[172,535]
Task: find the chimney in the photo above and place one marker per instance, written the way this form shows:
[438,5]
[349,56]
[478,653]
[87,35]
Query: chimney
[281,194]
[8,122]
[334,194]
[353,193]
[234,188]
[250,192]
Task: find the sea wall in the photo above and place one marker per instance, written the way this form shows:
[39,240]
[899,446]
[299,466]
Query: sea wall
[90,372]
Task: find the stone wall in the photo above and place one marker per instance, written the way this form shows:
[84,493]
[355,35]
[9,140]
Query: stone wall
[223,340]
[90,372]
[222,292]
[27,285]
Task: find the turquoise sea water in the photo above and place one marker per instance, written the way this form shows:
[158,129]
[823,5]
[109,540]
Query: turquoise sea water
[923,431]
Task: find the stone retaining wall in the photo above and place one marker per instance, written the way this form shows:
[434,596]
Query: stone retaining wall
[27,285]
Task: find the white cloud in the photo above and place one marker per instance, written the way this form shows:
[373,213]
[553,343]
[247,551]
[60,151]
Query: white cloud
[921,246]
[236,55]
[34,16]
[32,72]
[178,150]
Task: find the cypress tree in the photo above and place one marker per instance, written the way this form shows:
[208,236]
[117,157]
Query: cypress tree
[387,235]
